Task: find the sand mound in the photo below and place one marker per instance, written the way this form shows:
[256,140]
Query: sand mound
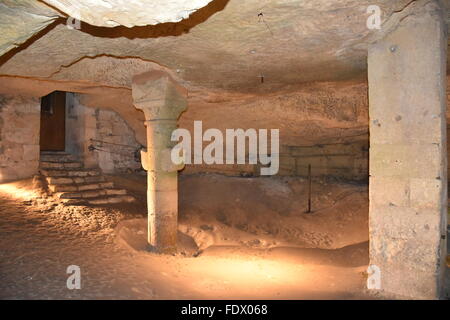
[270,212]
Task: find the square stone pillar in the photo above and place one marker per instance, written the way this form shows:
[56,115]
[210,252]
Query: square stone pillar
[408,155]
[162,100]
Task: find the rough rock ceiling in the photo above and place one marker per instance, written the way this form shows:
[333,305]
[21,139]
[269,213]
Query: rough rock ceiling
[129,13]
[252,45]
[19,20]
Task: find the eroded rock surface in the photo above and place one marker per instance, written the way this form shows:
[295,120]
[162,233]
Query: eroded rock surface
[20,20]
[228,45]
[129,13]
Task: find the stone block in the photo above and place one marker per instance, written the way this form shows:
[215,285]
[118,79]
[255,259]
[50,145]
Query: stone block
[107,185]
[77,173]
[426,193]
[31,152]
[88,187]
[409,161]
[93,194]
[52,165]
[389,191]
[79,180]
[93,173]
[62,188]
[27,169]
[14,153]
[116,192]
[414,127]
[53,173]
[114,200]
[70,195]
[94,179]
[420,284]
[73,165]
[101,201]
[404,223]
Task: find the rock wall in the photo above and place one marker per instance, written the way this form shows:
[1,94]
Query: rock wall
[19,137]
[346,161]
[81,128]
[101,138]
[322,124]
[115,144]
[349,161]
[113,13]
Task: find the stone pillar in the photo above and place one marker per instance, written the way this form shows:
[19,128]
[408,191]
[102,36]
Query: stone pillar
[408,156]
[162,100]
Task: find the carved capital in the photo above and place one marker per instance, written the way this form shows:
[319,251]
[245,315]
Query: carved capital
[159,96]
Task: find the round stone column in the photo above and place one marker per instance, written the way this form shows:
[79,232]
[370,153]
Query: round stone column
[162,100]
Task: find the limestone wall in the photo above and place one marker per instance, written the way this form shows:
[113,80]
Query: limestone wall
[322,124]
[19,137]
[101,138]
[115,143]
[81,127]
[348,161]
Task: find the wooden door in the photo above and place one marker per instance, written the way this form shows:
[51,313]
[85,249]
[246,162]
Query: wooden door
[53,122]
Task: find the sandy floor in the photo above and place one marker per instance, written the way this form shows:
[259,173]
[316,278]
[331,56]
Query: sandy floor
[39,239]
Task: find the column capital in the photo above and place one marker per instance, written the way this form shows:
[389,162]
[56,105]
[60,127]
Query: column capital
[159,96]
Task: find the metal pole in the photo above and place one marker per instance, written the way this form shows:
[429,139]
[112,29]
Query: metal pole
[309,188]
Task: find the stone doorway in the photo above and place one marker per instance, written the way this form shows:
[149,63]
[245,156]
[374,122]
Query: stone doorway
[53,122]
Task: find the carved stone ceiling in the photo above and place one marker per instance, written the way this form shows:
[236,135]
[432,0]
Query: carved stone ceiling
[233,45]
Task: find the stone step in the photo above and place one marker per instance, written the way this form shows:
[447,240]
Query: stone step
[73,184]
[100,200]
[113,199]
[75,180]
[57,157]
[62,188]
[70,173]
[94,186]
[53,152]
[91,193]
[116,192]
[80,187]
[60,165]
